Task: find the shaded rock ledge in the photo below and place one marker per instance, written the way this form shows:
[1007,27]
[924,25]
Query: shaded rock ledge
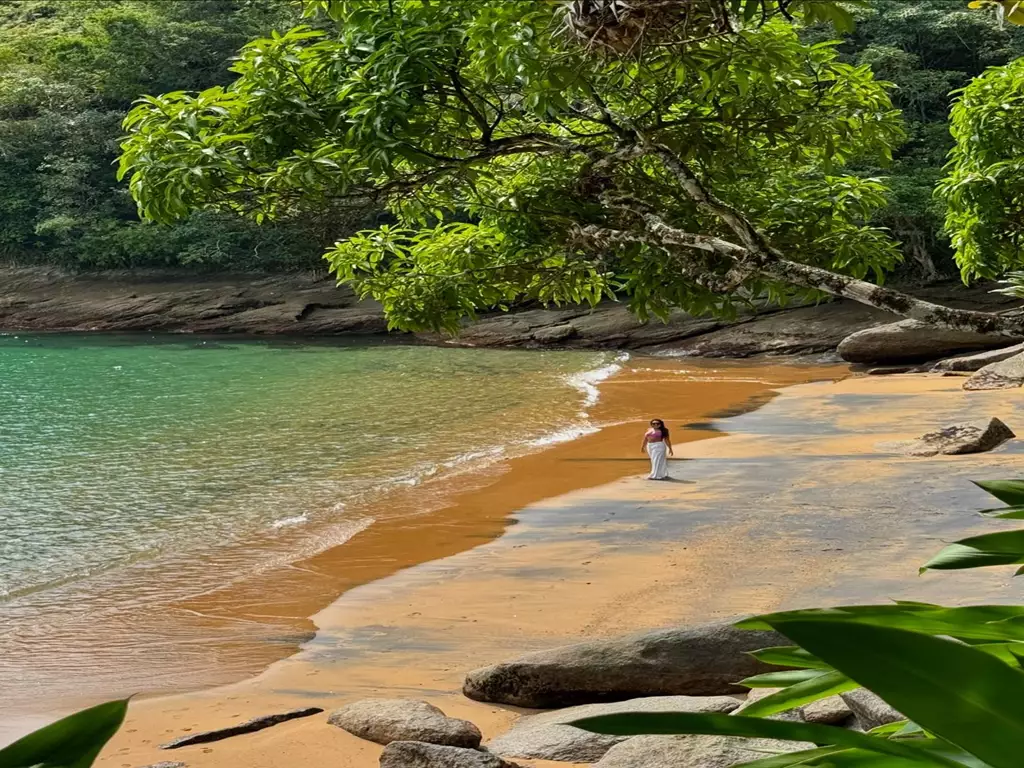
[46,299]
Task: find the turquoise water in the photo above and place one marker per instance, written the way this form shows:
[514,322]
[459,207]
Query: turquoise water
[138,471]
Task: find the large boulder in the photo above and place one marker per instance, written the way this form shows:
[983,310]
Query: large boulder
[386,720]
[977,361]
[548,737]
[869,709]
[1005,374]
[414,754]
[693,751]
[910,341]
[969,437]
[705,660]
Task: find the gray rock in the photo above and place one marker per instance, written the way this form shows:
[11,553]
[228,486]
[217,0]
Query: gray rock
[692,661]
[693,751]
[975,362]
[828,711]
[969,437]
[249,726]
[547,737]
[756,694]
[386,720]
[414,754]
[554,334]
[1005,374]
[910,341]
[869,709]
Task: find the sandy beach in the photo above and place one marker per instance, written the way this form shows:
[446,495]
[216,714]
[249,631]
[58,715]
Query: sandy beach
[796,506]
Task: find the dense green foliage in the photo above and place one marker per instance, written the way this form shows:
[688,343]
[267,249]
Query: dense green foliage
[69,70]
[495,137]
[957,674]
[927,48]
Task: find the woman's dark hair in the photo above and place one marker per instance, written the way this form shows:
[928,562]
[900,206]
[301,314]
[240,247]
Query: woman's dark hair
[663,428]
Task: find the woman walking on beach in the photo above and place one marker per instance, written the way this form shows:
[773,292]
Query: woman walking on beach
[656,445]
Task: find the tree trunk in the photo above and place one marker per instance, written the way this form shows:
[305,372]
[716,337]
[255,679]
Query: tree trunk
[898,303]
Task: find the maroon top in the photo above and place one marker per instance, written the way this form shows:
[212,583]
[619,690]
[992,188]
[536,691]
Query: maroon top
[654,436]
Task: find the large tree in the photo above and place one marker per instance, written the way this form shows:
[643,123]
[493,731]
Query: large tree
[682,153]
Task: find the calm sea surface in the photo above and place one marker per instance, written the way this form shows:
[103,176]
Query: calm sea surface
[127,460]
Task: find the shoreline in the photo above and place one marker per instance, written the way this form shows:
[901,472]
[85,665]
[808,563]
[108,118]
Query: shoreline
[627,556]
[479,505]
[690,395]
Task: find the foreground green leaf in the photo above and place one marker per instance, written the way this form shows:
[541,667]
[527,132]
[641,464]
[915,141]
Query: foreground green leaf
[1003,548]
[789,656]
[977,622]
[677,723]
[817,687]
[1010,492]
[964,695]
[73,742]
[782,679]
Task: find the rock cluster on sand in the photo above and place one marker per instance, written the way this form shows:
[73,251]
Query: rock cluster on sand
[386,720]
[704,662]
[548,737]
[969,437]
[694,661]
[1003,374]
[414,754]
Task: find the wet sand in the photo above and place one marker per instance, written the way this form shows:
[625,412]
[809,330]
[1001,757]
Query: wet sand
[797,506]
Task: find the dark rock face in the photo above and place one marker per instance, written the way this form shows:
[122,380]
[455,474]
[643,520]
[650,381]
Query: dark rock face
[970,437]
[414,754]
[386,720]
[1005,374]
[909,341]
[693,661]
[42,299]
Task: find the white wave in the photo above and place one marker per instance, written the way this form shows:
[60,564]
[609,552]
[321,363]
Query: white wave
[286,522]
[565,435]
[587,381]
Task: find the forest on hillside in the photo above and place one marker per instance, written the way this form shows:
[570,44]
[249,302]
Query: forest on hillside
[70,70]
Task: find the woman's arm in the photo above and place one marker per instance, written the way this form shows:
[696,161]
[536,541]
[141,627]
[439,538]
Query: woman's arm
[643,443]
[668,444]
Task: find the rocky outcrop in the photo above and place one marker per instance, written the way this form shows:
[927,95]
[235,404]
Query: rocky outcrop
[910,341]
[693,751]
[386,720]
[969,437]
[971,363]
[249,726]
[548,737]
[871,711]
[42,299]
[414,754]
[694,661]
[1005,374]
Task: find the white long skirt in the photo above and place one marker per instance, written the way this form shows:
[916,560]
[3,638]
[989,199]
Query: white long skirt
[659,461]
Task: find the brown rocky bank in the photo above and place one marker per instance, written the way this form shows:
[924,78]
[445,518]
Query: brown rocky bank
[46,299]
